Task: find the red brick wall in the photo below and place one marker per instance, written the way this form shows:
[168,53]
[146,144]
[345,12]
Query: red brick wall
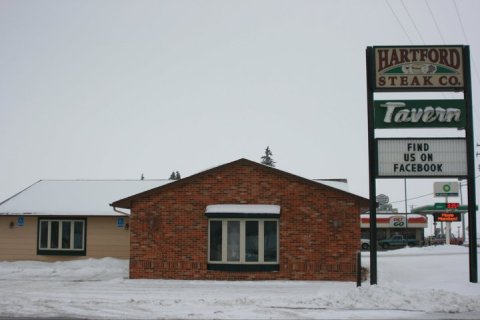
[319,226]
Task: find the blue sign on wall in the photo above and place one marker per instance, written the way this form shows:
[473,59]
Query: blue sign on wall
[20,221]
[120,222]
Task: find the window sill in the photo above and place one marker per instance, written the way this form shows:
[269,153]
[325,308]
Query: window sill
[61,253]
[243,267]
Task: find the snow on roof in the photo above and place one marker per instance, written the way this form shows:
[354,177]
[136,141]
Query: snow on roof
[93,197]
[340,184]
[243,208]
[74,197]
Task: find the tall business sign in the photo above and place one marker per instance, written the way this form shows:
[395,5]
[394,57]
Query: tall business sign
[427,69]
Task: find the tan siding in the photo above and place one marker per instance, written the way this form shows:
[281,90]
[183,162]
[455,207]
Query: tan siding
[18,243]
[104,239]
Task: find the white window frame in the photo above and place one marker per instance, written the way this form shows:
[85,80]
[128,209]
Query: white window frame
[261,240]
[60,234]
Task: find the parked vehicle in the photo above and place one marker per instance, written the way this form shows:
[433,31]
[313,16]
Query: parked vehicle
[397,241]
[441,239]
[455,240]
[365,244]
[435,240]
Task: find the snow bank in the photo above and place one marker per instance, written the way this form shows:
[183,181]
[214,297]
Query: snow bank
[414,283]
[76,270]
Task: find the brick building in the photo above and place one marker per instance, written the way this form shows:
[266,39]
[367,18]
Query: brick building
[241,221]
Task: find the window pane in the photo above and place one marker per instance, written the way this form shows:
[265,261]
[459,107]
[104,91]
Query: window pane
[54,235]
[233,241]
[44,234]
[251,241]
[270,241]
[78,235]
[66,234]
[215,240]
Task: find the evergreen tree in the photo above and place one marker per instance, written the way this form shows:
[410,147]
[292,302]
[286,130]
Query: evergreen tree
[175,176]
[267,158]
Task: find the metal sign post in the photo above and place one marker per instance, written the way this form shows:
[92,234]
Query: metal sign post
[372,168]
[472,213]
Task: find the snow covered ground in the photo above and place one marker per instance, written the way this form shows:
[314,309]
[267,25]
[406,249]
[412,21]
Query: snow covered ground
[413,283]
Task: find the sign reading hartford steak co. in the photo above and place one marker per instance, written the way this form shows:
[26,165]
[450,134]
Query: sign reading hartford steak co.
[419,157]
[418,68]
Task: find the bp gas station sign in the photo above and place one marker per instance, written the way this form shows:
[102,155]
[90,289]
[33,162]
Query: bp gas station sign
[446,189]
[426,69]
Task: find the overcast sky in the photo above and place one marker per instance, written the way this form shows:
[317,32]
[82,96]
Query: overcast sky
[113,89]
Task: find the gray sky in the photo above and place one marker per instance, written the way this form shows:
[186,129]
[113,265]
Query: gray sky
[113,89]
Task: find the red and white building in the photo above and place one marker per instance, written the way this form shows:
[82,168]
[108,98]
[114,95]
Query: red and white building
[389,224]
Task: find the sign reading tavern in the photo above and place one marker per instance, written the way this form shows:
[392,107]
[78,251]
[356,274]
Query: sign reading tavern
[418,157]
[418,68]
[419,114]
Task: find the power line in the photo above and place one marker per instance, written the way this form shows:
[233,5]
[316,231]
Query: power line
[475,69]
[422,196]
[413,21]
[461,183]
[466,38]
[435,21]
[399,22]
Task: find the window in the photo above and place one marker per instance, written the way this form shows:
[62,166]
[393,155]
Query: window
[215,240]
[243,241]
[270,241]
[233,242]
[61,237]
[251,241]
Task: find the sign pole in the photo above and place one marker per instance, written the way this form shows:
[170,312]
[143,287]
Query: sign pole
[447,225]
[372,168]
[472,218]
